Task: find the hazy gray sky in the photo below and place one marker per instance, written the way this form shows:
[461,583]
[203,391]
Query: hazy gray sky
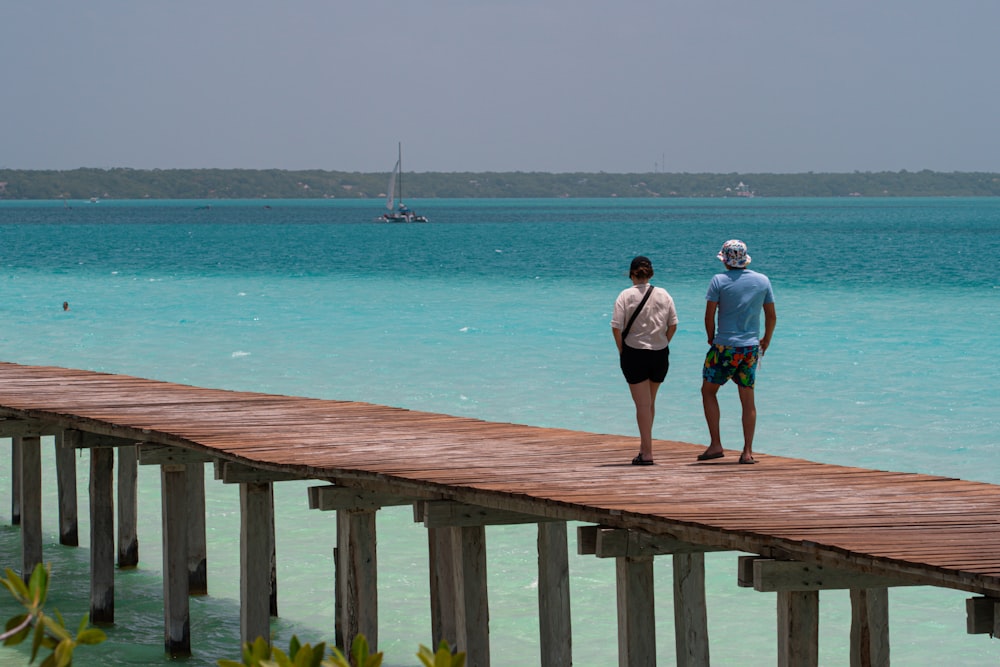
[502,85]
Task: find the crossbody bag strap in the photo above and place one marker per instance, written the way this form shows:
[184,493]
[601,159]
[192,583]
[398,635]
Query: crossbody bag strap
[642,303]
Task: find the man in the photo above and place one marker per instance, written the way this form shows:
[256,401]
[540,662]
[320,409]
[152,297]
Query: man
[737,296]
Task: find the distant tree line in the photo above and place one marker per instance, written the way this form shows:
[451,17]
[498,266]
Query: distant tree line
[124,183]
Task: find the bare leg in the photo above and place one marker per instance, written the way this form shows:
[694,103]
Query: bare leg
[749,420]
[644,397]
[710,403]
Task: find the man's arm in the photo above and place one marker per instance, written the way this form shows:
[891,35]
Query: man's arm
[710,308]
[617,333]
[770,319]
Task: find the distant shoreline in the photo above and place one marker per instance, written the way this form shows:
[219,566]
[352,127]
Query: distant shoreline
[209,184]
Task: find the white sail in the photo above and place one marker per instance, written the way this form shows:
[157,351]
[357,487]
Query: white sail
[390,190]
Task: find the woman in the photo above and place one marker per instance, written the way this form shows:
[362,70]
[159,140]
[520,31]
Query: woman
[643,323]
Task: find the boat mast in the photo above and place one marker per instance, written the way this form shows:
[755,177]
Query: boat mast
[400,146]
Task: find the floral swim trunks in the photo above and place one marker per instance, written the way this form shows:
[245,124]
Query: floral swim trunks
[738,364]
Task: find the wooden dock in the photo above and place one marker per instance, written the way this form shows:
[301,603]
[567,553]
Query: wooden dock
[804,526]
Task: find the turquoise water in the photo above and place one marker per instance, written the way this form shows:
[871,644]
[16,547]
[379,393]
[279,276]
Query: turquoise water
[500,310]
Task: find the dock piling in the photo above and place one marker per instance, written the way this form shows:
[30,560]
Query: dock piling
[102,535]
[176,607]
[31,502]
[65,456]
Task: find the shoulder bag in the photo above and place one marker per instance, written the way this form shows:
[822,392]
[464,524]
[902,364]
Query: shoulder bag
[631,320]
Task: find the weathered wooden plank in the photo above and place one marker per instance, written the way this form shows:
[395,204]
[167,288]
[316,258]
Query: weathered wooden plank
[769,576]
[150,454]
[89,440]
[237,473]
[441,513]
[615,542]
[25,427]
[332,497]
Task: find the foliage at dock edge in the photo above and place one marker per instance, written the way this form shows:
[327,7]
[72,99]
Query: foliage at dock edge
[47,632]
[263,654]
[50,633]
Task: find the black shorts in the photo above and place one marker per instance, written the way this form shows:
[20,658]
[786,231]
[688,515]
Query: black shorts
[639,365]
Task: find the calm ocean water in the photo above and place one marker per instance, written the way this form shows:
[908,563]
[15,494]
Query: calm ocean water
[500,310]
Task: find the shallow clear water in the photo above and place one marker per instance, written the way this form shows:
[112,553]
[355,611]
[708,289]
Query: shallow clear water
[500,310]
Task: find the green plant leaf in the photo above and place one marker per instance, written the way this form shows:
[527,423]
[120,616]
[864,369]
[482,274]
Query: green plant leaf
[359,651]
[91,636]
[318,652]
[338,659]
[55,628]
[38,585]
[64,653]
[38,641]
[15,585]
[19,587]
[20,635]
[260,650]
[83,623]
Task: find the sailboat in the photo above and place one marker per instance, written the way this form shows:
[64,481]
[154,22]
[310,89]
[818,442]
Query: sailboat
[400,213]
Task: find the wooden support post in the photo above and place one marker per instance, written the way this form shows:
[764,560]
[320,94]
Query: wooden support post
[631,548]
[197,558]
[176,606]
[65,454]
[442,584]
[273,596]
[869,627]
[983,616]
[553,596]
[31,504]
[15,480]
[341,585]
[358,585]
[472,612]
[690,611]
[102,536]
[798,628]
[128,507]
[256,547]
[636,617]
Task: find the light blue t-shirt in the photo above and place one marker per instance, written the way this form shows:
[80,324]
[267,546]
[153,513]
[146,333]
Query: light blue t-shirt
[741,295]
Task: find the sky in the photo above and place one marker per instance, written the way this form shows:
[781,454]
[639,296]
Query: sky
[620,86]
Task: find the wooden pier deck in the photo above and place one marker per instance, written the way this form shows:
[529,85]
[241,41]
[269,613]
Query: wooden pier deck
[912,529]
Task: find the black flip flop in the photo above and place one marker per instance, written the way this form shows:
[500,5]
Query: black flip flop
[639,461]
